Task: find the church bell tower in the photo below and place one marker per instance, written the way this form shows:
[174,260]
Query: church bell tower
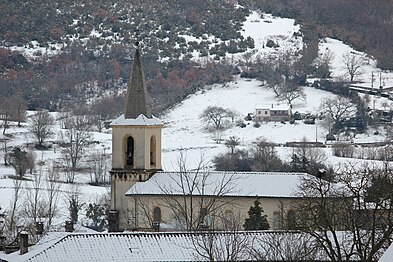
[136,145]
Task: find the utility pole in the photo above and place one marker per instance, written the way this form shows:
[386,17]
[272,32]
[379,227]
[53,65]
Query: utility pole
[380,80]
[372,81]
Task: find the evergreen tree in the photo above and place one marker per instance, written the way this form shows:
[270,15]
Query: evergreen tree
[256,221]
[19,161]
[96,213]
[296,165]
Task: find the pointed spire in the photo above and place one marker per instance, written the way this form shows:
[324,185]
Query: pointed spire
[137,101]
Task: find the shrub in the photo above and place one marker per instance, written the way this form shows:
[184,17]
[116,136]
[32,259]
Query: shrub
[271,43]
[248,117]
[343,150]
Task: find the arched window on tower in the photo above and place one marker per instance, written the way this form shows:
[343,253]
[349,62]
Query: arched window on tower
[130,151]
[153,151]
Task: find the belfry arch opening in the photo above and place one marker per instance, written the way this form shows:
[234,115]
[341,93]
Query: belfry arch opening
[130,151]
[153,154]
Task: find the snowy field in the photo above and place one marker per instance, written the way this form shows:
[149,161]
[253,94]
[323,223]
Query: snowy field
[338,48]
[184,130]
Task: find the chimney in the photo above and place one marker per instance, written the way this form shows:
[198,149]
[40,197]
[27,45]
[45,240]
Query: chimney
[23,242]
[39,228]
[113,221]
[2,242]
[69,226]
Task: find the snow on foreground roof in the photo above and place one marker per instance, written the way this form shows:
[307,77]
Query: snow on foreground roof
[155,246]
[245,184]
[388,255]
[141,120]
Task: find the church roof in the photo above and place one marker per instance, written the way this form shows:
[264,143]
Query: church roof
[243,184]
[145,246]
[137,101]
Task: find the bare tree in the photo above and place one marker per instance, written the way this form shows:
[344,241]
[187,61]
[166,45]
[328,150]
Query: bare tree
[198,201]
[283,74]
[371,216]
[216,116]
[41,126]
[321,214]
[265,156]
[232,114]
[13,218]
[75,139]
[97,122]
[228,245]
[2,221]
[196,209]
[276,83]
[31,161]
[6,155]
[337,108]
[6,112]
[67,170]
[284,246]
[33,202]
[98,166]
[232,142]
[20,107]
[307,158]
[63,119]
[247,58]
[353,64]
[351,218]
[52,194]
[290,92]
[216,120]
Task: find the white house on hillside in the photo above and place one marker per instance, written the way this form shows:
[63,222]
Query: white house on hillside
[278,112]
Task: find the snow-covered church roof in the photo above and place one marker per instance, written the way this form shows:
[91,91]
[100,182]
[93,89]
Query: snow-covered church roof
[244,184]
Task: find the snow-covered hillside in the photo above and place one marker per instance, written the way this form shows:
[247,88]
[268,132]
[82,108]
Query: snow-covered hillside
[184,131]
[338,48]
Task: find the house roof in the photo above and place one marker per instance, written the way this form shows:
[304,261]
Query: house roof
[388,255]
[245,184]
[149,246]
[272,107]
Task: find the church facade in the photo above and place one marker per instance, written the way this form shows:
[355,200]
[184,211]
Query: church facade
[143,197]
